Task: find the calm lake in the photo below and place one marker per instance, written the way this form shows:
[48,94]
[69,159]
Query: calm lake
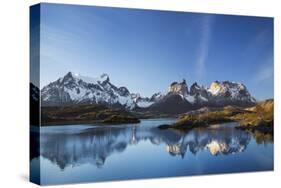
[84,153]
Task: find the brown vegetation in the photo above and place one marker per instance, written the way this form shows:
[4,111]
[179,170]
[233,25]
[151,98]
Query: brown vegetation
[259,117]
[85,114]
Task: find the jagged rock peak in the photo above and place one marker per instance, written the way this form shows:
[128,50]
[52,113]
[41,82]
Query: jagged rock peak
[197,89]
[179,88]
[68,76]
[104,78]
[195,86]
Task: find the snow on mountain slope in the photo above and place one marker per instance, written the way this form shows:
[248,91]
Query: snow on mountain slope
[181,89]
[142,102]
[230,90]
[190,98]
[77,89]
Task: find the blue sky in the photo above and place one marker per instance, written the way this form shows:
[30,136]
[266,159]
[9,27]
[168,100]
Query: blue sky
[146,50]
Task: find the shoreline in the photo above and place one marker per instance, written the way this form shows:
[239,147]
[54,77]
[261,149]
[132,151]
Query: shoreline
[100,122]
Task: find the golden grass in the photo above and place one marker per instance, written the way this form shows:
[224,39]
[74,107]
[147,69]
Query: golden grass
[258,116]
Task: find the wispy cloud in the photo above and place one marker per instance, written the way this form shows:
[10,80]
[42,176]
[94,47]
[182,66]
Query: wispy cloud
[204,44]
[265,72]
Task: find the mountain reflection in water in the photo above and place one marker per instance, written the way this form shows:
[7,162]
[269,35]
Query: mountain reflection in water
[76,145]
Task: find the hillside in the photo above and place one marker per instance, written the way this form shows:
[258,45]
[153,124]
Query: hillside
[85,114]
[259,117]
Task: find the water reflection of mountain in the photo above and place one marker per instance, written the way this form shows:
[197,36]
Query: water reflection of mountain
[95,145]
[219,140]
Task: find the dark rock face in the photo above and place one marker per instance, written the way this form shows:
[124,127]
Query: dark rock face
[172,104]
[195,89]
[34,104]
[200,93]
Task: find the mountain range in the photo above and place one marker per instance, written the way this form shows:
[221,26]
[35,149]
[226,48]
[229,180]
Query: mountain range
[73,89]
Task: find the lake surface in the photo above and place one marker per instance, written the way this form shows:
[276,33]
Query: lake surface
[86,153]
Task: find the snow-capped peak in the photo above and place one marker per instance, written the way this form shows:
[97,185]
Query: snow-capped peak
[179,88]
[75,88]
[231,90]
[219,88]
[215,88]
